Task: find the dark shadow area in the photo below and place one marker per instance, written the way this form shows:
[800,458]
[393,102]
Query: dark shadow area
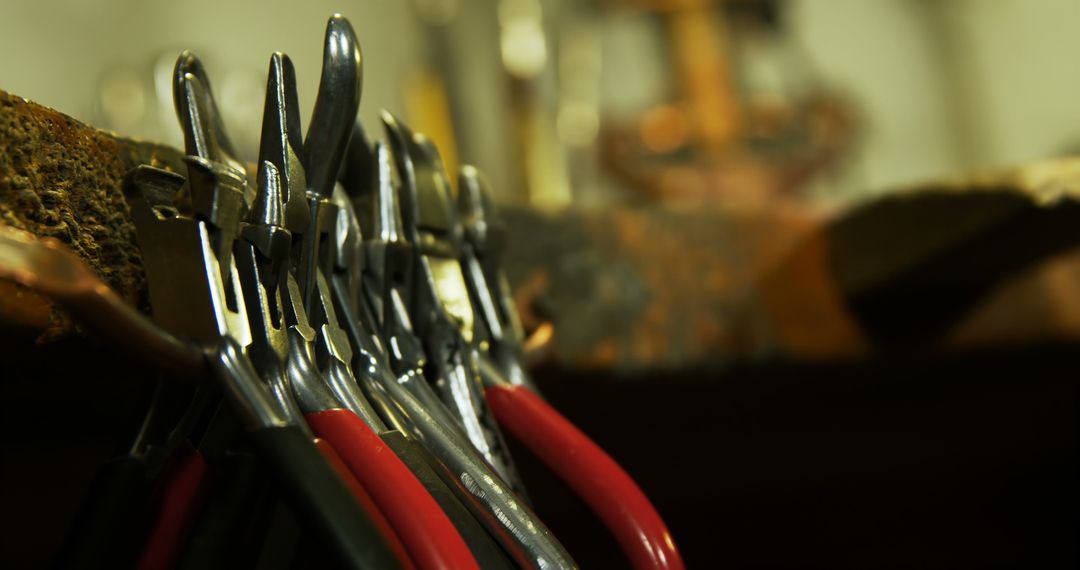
[905,461]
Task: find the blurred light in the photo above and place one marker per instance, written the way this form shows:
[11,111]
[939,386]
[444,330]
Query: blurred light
[540,339]
[524,50]
[123,99]
[577,124]
[578,120]
[522,42]
[663,129]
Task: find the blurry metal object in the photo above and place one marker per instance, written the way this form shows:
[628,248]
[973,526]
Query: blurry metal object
[45,265]
[428,102]
[538,344]
[522,42]
[749,121]
[579,71]
[634,289]
[325,143]
[432,86]
[699,37]
[539,154]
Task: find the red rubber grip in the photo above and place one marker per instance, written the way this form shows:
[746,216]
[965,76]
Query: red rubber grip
[184,493]
[432,540]
[366,502]
[591,472]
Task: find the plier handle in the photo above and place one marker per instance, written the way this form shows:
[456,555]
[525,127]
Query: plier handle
[187,230]
[436,295]
[377,321]
[318,357]
[608,490]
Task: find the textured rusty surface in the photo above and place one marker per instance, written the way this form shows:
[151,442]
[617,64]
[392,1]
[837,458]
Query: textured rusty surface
[636,288]
[966,263]
[60,178]
[633,288]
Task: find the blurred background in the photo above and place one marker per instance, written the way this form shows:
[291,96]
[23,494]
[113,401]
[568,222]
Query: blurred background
[854,96]
[808,268]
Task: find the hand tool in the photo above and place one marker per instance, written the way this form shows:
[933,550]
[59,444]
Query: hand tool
[370,360]
[327,138]
[261,256]
[593,474]
[394,366]
[204,128]
[430,538]
[115,516]
[499,327]
[438,300]
[396,490]
[48,267]
[335,407]
[195,291]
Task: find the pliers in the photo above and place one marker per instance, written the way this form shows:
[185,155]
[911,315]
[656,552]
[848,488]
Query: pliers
[320,360]
[407,336]
[187,231]
[514,401]
[436,296]
[378,324]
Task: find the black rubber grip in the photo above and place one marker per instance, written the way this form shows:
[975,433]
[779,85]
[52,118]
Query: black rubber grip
[489,555]
[319,497]
[236,509]
[111,524]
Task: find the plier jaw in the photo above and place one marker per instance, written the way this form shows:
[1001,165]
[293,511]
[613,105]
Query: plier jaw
[436,293]
[216,192]
[439,301]
[388,257]
[261,253]
[204,132]
[195,288]
[282,143]
[499,327]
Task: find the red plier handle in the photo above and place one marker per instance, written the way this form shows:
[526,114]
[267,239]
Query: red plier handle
[591,472]
[182,498]
[366,502]
[433,541]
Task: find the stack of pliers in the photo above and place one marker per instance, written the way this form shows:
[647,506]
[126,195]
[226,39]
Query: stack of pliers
[339,355]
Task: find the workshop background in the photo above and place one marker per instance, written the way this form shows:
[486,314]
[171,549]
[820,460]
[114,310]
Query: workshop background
[808,269]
